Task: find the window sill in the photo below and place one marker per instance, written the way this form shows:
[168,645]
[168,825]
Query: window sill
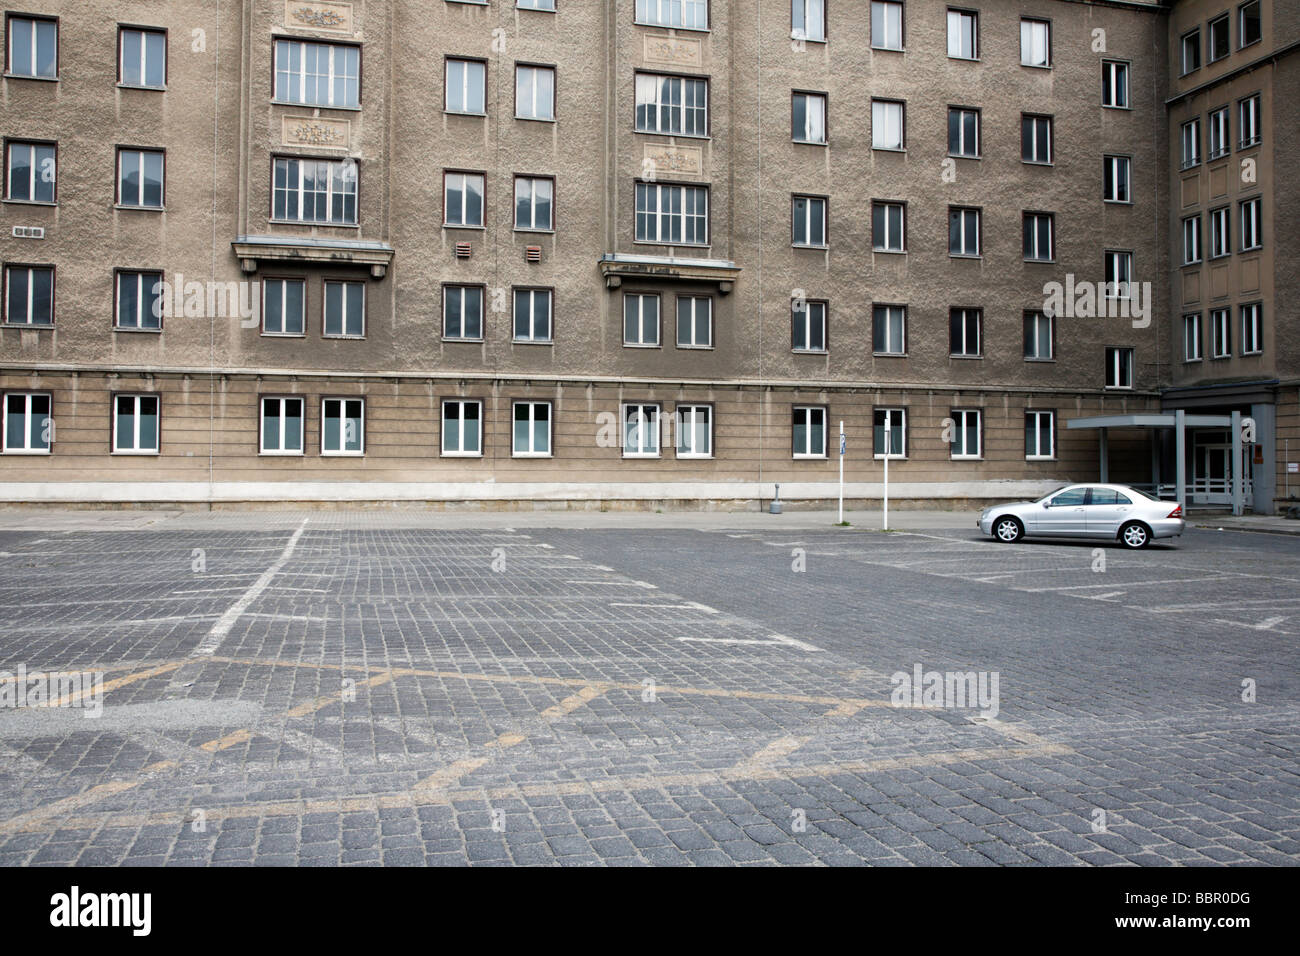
[669,26]
[526,230]
[1251,145]
[297,335]
[27,325]
[531,454]
[672,245]
[1041,361]
[447,112]
[1118,388]
[809,142]
[964,59]
[889,149]
[463,341]
[23,76]
[313,106]
[695,348]
[965,357]
[1118,202]
[532,341]
[461,454]
[127,328]
[1035,66]
[965,255]
[537,119]
[1193,361]
[642,455]
[1037,162]
[964,156]
[27,451]
[280,454]
[134,454]
[806,245]
[640,345]
[126,208]
[343,454]
[686,456]
[810,351]
[146,89]
[965,457]
[1109,106]
[1252,249]
[889,252]
[888,49]
[1255,352]
[809,457]
[1040,458]
[452,225]
[890,457]
[1224,154]
[322,225]
[889,355]
[32,202]
[1039,262]
[338,338]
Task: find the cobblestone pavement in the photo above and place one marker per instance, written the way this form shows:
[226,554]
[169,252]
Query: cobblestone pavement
[340,689]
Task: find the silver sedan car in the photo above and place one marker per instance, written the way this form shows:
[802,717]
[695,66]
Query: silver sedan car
[1113,512]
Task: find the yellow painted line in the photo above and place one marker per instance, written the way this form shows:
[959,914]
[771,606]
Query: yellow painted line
[106,669]
[320,703]
[32,818]
[846,709]
[450,773]
[71,699]
[776,750]
[228,741]
[570,704]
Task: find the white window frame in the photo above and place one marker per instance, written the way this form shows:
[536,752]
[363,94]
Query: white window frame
[292,86]
[1220,144]
[135,448]
[1035,33]
[1113,166]
[808,413]
[1248,125]
[967,315]
[342,181]
[1039,415]
[1226,21]
[892,25]
[1185,43]
[28,413]
[532,405]
[961,151]
[1192,240]
[447,314]
[886,207]
[1039,317]
[145,63]
[1242,43]
[37,23]
[1220,232]
[1221,333]
[961,422]
[693,321]
[460,420]
[30,320]
[458,182]
[344,312]
[534,296]
[1035,119]
[897,416]
[1252,328]
[1252,232]
[1114,85]
[283,284]
[1119,273]
[1190,137]
[282,404]
[641,299]
[679,14]
[814,133]
[1119,359]
[539,108]
[808,221]
[891,311]
[139,203]
[342,451]
[35,177]
[139,276]
[648,432]
[467,67]
[957,19]
[530,187]
[885,116]
[808,20]
[1193,349]
[663,218]
[1051,236]
[814,314]
[964,214]
[650,103]
[686,418]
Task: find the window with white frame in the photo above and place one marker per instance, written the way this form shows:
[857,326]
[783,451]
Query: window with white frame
[462,199]
[963,132]
[641,430]
[1220,44]
[673,105]
[345,309]
[462,428]
[963,34]
[342,426]
[694,431]
[318,74]
[546,5]
[462,312]
[142,57]
[1116,177]
[1040,239]
[1192,337]
[887,222]
[1191,240]
[687,14]
[807,326]
[284,306]
[466,89]
[1191,140]
[1119,273]
[1039,329]
[1035,139]
[1219,136]
[135,424]
[694,322]
[886,25]
[886,124]
[29,295]
[640,319]
[889,329]
[28,425]
[896,444]
[808,118]
[1221,333]
[531,436]
[1035,43]
[140,178]
[672,215]
[1249,24]
[963,231]
[1220,233]
[533,315]
[33,47]
[1191,51]
[31,171]
[966,332]
[808,20]
[535,203]
[1040,435]
[1248,122]
[139,300]
[1252,329]
[966,435]
[535,92]
[808,220]
[321,191]
[1119,367]
[808,431]
[1114,84]
[1251,236]
[282,426]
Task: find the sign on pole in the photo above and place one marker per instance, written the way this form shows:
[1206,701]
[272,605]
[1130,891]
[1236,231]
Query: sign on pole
[843,447]
[884,516]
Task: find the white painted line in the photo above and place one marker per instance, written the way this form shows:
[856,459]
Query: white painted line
[777,640]
[618,584]
[676,607]
[289,617]
[1131,584]
[220,629]
[206,590]
[790,641]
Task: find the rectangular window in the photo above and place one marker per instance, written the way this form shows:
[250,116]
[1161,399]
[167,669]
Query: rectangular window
[807,326]
[1191,240]
[462,312]
[1192,337]
[462,199]
[29,295]
[966,436]
[1191,136]
[1119,274]
[1251,236]
[673,105]
[1035,43]
[33,47]
[1114,84]
[1249,25]
[808,118]
[963,132]
[886,25]
[694,322]
[1220,44]
[641,431]
[345,309]
[135,424]
[1040,240]
[889,329]
[963,231]
[965,332]
[282,426]
[963,35]
[1220,233]
[1039,329]
[887,221]
[30,172]
[1040,435]
[342,430]
[139,300]
[1035,138]
[672,215]
[1119,368]
[1220,144]
[532,315]
[27,423]
[318,74]
[140,178]
[466,87]
[531,437]
[694,431]
[1116,179]
[315,190]
[284,307]
[896,418]
[808,431]
[640,319]
[534,92]
[886,124]
[808,20]
[462,428]
[535,203]
[1248,121]
[1221,333]
[1252,331]
[687,14]
[1191,47]
[808,221]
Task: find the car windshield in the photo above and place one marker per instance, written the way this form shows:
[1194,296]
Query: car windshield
[1050,494]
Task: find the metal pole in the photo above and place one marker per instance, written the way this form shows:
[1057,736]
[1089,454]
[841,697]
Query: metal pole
[841,472]
[884,516]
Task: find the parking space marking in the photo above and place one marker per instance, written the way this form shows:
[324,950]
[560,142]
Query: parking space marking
[71,700]
[32,819]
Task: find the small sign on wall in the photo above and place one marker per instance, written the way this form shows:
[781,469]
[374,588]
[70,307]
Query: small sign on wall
[1293,467]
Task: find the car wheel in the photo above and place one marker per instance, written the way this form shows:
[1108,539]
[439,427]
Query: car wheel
[1008,530]
[1135,535]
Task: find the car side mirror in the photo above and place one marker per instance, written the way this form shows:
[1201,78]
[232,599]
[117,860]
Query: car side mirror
[1047,504]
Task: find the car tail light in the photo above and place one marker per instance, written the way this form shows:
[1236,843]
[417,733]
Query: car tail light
[1176,513]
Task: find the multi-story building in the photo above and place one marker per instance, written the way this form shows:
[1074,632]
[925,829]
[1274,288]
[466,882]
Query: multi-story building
[628,250]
